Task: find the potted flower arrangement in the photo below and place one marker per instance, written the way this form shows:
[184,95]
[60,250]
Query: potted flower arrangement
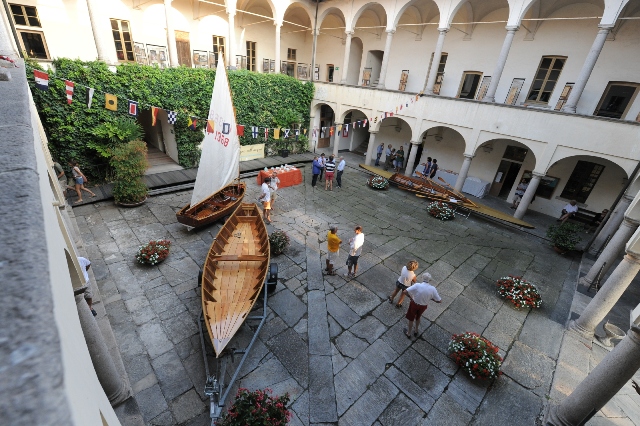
[475,355]
[378,182]
[154,252]
[440,210]
[257,408]
[278,241]
[129,163]
[519,292]
[564,237]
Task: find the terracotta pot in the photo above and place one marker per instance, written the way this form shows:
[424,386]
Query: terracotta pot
[560,250]
[139,203]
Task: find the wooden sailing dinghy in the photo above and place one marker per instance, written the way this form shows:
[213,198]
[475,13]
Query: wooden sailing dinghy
[234,273]
[215,195]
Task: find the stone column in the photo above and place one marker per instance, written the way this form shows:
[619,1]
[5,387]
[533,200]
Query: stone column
[278,27]
[464,170]
[171,35]
[616,369]
[586,70]
[490,96]
[607,297]
[315,120]
[431,81]
[112,383]
[371,147]
[528,196]
[347,52]
[336,140]
[612,224]
[385,59]
[100,37]
[413,149]
[611,252]
[231,47]
[316,32]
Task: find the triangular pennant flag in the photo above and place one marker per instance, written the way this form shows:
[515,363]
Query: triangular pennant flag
[286,133]
[211,126]
[68,88]
[240,129]
[193,123]
[266,133]
[110,102]
[339,128]
[41,79]
[89,96]
[254,131]
[364,123]
[172,116]
[133,108]
[154,115]
[276,133]
[345,131]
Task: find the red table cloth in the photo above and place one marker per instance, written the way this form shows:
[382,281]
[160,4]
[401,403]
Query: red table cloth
[287,178]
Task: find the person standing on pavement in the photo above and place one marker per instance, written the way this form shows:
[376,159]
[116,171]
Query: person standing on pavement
[434,168]
[427,168]
[379,153]
[323,162]
[340,170]
[85,264]
[80,180]
[387,157]
[406,280]
[316,168]
[399,160]
[265,198]
[420,294]
[333,249]
[62,179]
[330,167]
[355,250]
[274,187]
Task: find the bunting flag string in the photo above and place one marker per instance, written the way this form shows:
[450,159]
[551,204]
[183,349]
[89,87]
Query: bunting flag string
[172,116]
[68,88]
[89,96]
[254,131]
[133,108]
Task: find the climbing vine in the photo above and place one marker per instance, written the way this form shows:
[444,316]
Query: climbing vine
[265,100]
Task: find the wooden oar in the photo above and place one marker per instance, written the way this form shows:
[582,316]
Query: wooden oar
[458,194]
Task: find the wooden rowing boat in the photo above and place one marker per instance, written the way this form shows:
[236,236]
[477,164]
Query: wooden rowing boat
[234,273]
[213,208]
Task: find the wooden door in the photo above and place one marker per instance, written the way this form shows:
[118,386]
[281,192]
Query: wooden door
[183,46]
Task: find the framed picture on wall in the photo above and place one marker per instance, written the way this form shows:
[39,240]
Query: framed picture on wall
[484,86]
[564,96]
[212,60]
[272,66]
[514,91]
[366,77]
[266,65]
[316,73]
[546,187]
[140,53]
[404,76]
[157,55]
[200,59]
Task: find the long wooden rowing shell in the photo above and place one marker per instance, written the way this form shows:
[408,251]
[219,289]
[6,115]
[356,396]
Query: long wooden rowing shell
[234,273]
[215,207]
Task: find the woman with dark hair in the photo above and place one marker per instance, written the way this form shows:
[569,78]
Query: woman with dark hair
[80,179]
[434,168]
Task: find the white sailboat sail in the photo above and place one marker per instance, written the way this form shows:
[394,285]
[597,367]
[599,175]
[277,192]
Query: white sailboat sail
[220,158]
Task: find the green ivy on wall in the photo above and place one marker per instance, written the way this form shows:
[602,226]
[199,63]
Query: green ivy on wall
[265,100]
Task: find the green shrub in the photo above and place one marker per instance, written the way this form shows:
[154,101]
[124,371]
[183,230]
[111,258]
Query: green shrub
[265,100]
[564,236]
[129,163]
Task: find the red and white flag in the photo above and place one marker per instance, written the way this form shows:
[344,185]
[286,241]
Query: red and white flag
[41,79]
[69,90]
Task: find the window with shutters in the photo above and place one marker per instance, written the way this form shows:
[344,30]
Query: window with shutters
[584,177]
[440,74]
[546,78]
[291,54]
[32,42]
[617,99]
[251,55]
[218,48]
[469,85]
[123,40]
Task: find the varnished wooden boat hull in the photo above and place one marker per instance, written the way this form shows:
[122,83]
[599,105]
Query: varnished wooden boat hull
[234,273]
[217,206]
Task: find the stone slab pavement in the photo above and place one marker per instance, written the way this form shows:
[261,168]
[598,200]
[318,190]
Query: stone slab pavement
[335,345]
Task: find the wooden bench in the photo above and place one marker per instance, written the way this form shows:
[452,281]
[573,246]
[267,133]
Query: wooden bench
[584,216]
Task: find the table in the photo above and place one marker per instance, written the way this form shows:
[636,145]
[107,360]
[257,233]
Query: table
[472,185]
[287,178]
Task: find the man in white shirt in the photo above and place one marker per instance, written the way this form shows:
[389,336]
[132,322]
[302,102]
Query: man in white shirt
[323,162]
[340,169]
[355,250]
[274,188]
[85,264]
[568,211]
[420,294]
[265,198]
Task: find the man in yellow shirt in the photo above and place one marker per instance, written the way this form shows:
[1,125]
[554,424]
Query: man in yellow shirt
[333,249]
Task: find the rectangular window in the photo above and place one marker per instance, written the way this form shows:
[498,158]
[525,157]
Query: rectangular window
[616,99]
[515,153]
[121,31]
[25,15]
[218,48]
[291,54]
[251,55]
[582,180]
[469,84]
[440,74]
[546,78]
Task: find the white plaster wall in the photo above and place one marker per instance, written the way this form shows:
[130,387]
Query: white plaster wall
[355,61]
[85,396]
[448,151]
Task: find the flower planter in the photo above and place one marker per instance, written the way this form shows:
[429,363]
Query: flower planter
[130,205]
[520,292]
[378,182]
[153,253]
[475,355]
[560,250]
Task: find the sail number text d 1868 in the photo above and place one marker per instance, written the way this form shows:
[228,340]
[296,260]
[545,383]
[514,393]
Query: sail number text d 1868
[221,138]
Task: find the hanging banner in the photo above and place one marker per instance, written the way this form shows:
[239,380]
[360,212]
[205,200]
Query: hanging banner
[251,152]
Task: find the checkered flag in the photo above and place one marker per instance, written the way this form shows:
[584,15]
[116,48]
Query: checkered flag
[172,117]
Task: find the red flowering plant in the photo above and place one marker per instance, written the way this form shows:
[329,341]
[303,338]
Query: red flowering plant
[154,252]
[475,355]
[257,408]
[440,210]
[519,292]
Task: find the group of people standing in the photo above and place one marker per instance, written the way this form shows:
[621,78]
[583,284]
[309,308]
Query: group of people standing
[79,179]
[393,158]
[430,168]
[328,167]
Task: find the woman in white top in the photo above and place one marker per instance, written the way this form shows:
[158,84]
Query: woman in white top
[406,279]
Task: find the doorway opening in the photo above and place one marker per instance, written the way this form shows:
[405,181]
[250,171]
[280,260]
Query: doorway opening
[374,62]
[508,171]
[469,84]
[183,46]
[330,69]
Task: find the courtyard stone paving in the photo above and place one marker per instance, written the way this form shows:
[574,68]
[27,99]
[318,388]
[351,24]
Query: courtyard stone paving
[337,346]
